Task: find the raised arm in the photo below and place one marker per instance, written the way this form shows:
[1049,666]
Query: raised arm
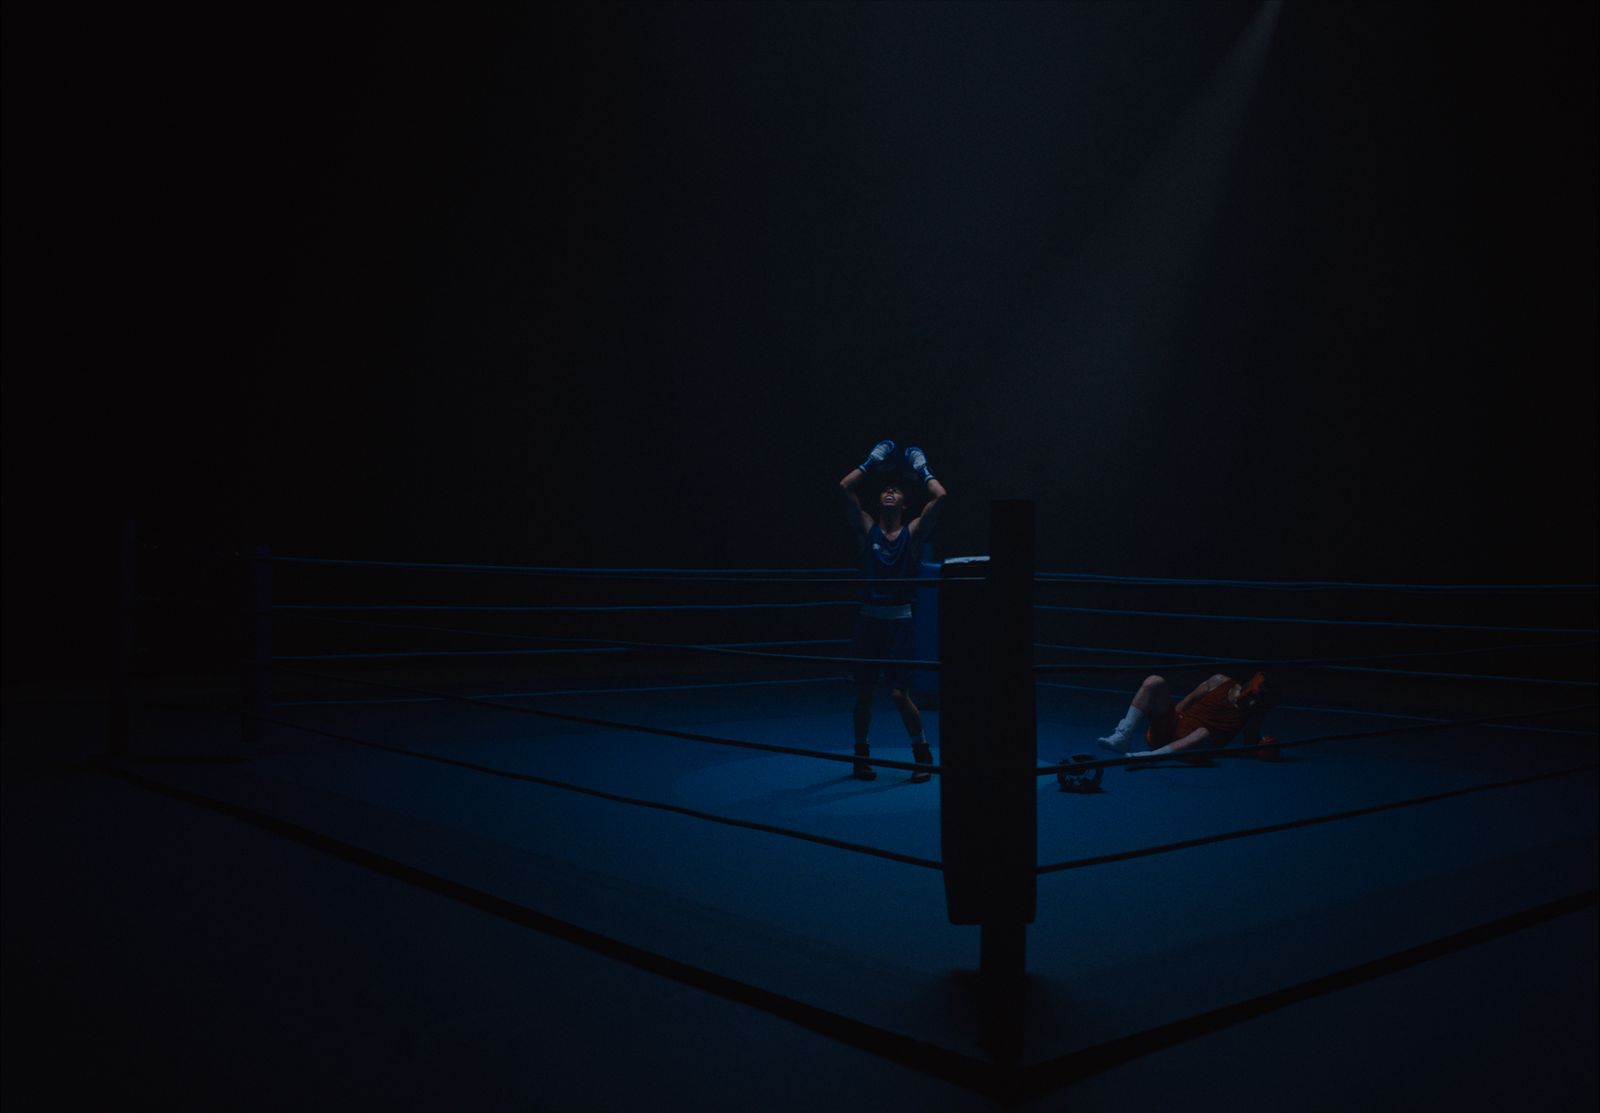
[923,524]
[850,502]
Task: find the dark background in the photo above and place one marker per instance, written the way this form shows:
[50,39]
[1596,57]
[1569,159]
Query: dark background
[636,284]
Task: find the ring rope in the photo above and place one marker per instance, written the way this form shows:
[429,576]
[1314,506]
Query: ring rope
[1187,660]
[549,570]
[660,575]
[1193,658]
[886,662]
[478,608]
[564,692]
[1065,578]
[1373,624]
[559,608]
[429,653]
[1330,664]
[1308,821]
[1359,712]
[511,636]
[843,678]
[1313,663]
[737,649]
[1251,751]
[423,653]
[640,728]
[1316,663]
[767,828]
[1042,577]
[722,648]
[1470,676]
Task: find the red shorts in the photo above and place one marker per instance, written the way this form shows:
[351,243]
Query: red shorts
[1163,727]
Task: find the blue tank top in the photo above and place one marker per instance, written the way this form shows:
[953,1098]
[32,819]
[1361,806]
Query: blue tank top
[882,559]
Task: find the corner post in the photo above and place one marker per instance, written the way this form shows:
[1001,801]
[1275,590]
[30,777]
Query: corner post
[988,792]
[1012,756]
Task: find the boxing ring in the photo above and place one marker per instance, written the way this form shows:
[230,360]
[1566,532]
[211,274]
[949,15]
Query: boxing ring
[656,764]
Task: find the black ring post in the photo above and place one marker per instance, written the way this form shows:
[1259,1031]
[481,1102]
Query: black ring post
[257,642]
[989,790]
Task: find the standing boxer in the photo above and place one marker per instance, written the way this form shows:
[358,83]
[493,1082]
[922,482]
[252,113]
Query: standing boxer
[888,547]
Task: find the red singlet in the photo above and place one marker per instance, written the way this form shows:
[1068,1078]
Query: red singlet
[1211,711]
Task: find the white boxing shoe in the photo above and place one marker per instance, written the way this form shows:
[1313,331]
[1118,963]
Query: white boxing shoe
[1116,743]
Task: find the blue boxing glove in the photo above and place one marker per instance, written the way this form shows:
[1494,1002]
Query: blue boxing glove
[875,459]
[917,460]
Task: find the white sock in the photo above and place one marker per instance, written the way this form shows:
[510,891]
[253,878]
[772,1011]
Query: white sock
[1131,727]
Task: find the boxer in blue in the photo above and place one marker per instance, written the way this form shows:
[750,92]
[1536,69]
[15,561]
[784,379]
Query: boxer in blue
[888,546]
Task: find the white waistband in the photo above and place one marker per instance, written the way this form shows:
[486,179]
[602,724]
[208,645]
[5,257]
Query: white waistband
[872,610]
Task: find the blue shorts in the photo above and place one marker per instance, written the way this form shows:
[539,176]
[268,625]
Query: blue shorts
[891,638]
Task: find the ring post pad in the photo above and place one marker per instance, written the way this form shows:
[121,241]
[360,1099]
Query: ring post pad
[988,788]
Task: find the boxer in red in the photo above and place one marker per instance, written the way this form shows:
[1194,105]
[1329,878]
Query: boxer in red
[1219,709]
